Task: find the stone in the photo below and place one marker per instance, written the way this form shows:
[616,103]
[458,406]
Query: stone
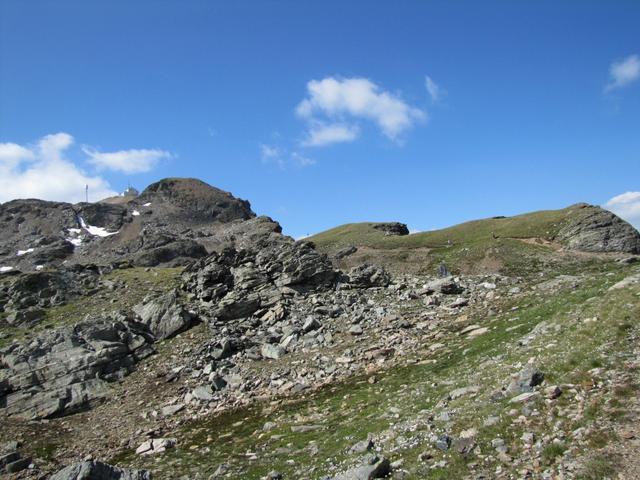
[273,352]
[164,316]
[155,445]
[368,276]
[171,410]
[379,469]
[461,392]
[355,330]
[443,442]
[94,470]
[18,465]
[525,397]
[311,324]
[362,446]
[446,285]
[203,393]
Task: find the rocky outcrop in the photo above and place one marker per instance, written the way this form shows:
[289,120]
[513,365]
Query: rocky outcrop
[593,229]
[237,283]
[392,228]
[94,470]
[29,293]
[164,316]
[63,371]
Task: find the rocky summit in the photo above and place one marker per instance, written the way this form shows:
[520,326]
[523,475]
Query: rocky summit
[175,334]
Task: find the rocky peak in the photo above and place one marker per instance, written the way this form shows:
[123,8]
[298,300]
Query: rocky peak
[196,199]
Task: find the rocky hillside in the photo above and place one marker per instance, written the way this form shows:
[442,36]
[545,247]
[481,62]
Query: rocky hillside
[171,223]
[197,341]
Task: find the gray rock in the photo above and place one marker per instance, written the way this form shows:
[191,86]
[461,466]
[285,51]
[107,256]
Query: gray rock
[64,370]
[273,352]
[311,324]
[94,470]
[593,229]
[164,316]
[367,276]
[203,393]
[446,285]
[379,469]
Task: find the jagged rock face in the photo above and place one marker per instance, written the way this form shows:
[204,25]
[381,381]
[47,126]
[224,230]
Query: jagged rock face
[45,289]
[94,470]
[598,230]
[392,228]
[173,222]
[63,371]
[237,283]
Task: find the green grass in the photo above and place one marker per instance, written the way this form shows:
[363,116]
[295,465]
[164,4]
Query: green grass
[520,244]
[543,224]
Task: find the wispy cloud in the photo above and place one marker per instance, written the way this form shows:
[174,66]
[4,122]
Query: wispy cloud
[330,102]
[271,154]
[43,171]
[126,161]
[626,206]
[435,91]
[321,134]
[623,73]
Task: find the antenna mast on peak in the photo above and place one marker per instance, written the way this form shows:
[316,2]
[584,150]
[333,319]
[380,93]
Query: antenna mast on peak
[86,192]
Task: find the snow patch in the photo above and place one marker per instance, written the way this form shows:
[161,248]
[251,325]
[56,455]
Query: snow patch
[75,241]
[24,252]
[39,267]
[5,269]
[135,213]
[147,204]
[74,230]
[95,231]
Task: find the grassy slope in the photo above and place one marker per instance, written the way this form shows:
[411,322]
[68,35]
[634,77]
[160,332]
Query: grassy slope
[514,245]
[543,224]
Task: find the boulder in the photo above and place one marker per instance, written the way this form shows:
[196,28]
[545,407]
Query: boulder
[164,316]
[368,276]
[593,229]
[392,228]
[94,470]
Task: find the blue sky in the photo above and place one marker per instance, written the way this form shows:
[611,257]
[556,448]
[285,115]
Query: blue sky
[319,113]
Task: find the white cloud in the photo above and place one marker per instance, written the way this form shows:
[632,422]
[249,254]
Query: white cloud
[321,134]
[626,206]
[435,91]
[360,98]
[623,73]
[42,171]
[268,152]
[126,161]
